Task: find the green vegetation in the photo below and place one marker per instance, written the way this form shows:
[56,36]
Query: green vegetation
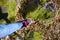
[11,7]
[40,13]
[43,0]
[2,21]
[33,35]
[38,35]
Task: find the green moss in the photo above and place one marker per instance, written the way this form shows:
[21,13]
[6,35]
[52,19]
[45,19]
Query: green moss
[38,35]
[33,35]
[2,21]
[34,14]
[40,13]
[28,34]
[43,0]
[11,7]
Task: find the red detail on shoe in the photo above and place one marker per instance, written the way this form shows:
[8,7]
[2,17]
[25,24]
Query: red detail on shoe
[25,23]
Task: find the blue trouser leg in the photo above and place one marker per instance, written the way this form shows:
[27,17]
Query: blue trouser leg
[6,29]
